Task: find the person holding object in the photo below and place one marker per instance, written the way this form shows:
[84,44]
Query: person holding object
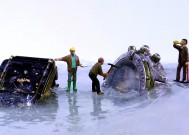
[183,58]
[73,62]
[97,70]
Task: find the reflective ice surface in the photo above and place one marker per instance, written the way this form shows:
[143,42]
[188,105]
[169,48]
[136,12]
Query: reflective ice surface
[162,111]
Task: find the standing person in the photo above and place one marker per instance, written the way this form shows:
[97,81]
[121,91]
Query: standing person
[73,62]
[183,58]
[97,70]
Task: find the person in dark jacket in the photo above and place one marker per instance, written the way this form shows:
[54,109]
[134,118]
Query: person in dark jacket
[182,59]
[73,62]
[97,70]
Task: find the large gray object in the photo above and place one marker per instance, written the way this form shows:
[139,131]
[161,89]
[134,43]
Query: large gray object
[135,71]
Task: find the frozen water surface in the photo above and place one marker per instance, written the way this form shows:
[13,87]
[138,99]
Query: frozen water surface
[162,111]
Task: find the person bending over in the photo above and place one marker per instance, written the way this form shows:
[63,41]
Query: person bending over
[97,70]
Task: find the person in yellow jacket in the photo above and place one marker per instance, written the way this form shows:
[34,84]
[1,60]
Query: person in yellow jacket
[97,70]
[73,62]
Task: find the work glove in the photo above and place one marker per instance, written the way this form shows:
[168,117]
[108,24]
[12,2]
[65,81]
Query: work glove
[105,75]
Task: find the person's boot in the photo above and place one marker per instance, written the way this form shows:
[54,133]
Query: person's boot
[74,86]
[100,93]
[176,80]
[69,85]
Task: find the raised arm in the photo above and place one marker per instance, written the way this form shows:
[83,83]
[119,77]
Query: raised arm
[178,47]
[58,59]
[61,59]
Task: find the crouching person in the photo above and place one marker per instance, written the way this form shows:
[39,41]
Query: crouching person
[97,70]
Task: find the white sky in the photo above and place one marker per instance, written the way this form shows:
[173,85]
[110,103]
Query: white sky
[48,28]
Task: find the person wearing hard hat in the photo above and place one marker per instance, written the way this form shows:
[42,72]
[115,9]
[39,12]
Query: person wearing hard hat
[73,62]
[97,70]
[182,59]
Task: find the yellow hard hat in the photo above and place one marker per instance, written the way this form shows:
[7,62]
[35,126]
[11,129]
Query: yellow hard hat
[72,49]
[176,42]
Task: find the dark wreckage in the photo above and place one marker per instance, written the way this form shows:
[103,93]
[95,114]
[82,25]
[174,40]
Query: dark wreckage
[25,80]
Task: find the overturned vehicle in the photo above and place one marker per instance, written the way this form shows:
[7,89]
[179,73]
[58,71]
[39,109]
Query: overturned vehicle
[135,70]
[25,80]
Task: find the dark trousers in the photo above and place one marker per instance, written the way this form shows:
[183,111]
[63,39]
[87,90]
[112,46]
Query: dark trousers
[179,67]
[95,83]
